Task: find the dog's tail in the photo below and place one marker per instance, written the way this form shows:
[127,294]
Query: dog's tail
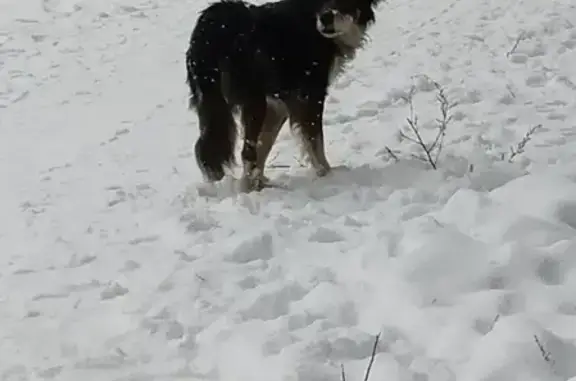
[217,37]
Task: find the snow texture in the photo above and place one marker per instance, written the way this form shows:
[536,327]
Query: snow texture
[117,264]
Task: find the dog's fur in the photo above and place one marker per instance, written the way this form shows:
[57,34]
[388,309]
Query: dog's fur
[268,62]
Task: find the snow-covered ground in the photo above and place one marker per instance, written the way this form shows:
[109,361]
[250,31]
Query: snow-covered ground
[116,263]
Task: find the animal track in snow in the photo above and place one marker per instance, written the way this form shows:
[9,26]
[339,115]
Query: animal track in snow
[325,235]
[566,212]
[536,80]
[112,291]
[259,247]
[327,301]
[557,116]
[269,302]
[550,272]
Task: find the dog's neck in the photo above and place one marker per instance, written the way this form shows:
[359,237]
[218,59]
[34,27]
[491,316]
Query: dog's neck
[349,42]
[347,45]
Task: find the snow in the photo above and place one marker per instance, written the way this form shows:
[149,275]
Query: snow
[117,263]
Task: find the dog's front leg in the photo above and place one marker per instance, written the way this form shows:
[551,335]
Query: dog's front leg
[306,115]
[276,115]
[253,116]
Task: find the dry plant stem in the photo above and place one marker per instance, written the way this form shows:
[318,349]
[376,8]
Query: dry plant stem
[509,88]
[300,162]
[413,124]
[279,166]
[519,149]
[547,356]
[342,373]
[374,348]
[392,154]
[433,150]
[495,321]
[518,40]
[443,121]
[271,159]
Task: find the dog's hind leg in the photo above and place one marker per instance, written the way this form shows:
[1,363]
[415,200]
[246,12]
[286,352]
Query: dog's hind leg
[306,121]
[253,117]
[276,115]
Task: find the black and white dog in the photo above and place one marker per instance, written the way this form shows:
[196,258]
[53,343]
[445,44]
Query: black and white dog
[268,62]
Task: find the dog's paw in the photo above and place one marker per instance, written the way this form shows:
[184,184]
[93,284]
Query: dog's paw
[248,184]
[264,180]
[323,171]
[252,181]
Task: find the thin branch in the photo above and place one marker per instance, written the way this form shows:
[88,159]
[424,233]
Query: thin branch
[519,149]
[369,369]
[410,139]
[278,166]
[443,121]
[271,159]
[413,124]
[496,318]
[512,93]
[392,154]
[547,356]
[515,46]
[411,132]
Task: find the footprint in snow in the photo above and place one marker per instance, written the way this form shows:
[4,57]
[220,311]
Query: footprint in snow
[550,272]
[536,80]
[325,235]
[557,116]
[518,58]
[50,373]
[267,303]
[112,291]
[567,308]
[570,43]
[566,212]
[130,265]
[80,260]
[259,247]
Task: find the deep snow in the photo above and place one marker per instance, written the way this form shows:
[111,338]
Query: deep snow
[118,264]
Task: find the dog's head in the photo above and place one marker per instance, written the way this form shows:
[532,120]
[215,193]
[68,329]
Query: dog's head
[343,19]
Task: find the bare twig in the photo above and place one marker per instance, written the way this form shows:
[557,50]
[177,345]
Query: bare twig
[547,356]
[521,37]
[271,159]
[519,149]
[392,154]
[423,159]
[433,150]
[412,121]
[443,121]
[301,162]
[494,322]
[374,348]
[410,139]
[278,166]
[511,91]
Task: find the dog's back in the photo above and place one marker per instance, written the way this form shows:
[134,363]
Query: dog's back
[217,36]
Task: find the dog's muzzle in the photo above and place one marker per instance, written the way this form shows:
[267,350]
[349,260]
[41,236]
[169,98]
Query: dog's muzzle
[325,23]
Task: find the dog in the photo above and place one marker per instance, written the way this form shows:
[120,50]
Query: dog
[266,64]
